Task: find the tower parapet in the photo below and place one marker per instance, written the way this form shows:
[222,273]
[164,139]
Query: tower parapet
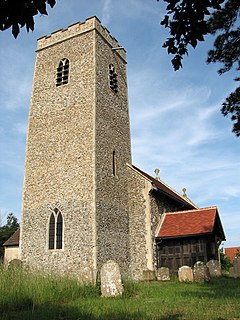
[75,30]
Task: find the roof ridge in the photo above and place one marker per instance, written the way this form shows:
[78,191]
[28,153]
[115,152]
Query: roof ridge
[191,210]
[161,182]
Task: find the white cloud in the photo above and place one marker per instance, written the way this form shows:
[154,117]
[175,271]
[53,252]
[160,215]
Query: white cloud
[106,15]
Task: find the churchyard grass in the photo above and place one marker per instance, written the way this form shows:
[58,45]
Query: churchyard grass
[24,296]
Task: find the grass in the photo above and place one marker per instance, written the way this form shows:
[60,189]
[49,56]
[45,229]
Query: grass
[24,296]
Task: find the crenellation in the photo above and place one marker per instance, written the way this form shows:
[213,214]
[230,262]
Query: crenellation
[76,29]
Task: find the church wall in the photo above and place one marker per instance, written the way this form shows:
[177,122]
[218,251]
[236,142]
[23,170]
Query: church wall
[59,165]
[112,135]
[139,214]
[146,207]
[11,253]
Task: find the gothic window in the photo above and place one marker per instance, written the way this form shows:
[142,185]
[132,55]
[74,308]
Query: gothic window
[62,72]
[59,231]
[55,233]
[51,232]
[113,82]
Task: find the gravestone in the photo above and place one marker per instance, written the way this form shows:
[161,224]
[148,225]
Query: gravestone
[236,268]
[149,275]
[111,282]
[200,272]
[214,268]
[185,274]
[15,263]
[163,274]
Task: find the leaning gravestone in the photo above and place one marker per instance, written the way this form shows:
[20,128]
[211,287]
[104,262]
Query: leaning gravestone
[214,268]
[236,268]
[163,274]
[111,282]
[201,272]
[185,274]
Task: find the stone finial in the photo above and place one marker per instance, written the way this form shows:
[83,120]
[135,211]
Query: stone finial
[184,192]
[156,174]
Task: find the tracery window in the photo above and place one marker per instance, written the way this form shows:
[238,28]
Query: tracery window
[62,72]
[55,230]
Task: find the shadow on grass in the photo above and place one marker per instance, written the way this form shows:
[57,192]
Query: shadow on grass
[217,288]
[50,312]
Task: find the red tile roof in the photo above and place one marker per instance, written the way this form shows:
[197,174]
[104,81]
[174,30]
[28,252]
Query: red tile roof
[13,240]
[232,252]
[164,188]
[191,222]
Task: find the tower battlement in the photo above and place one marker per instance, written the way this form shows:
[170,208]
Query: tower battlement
[90,24]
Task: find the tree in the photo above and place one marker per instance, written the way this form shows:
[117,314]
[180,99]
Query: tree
[189,21]
[20,13]
[225,261]
[7,230]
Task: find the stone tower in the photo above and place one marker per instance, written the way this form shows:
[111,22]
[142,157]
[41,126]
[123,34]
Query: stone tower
[75,201]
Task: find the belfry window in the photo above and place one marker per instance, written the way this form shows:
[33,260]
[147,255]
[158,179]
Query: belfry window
[113,81]
[62,72]
[55,230]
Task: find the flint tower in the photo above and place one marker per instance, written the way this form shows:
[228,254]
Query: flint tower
[75,199]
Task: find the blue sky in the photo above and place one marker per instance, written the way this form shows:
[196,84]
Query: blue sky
[176,124]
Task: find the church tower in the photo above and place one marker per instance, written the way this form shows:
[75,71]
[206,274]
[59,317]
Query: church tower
[75,201]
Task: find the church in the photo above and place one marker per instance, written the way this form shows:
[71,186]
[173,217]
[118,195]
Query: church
[84,202]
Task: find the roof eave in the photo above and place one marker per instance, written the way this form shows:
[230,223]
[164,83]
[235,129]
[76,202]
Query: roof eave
[185,235]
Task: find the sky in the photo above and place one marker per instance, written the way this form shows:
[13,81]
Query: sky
[176,123]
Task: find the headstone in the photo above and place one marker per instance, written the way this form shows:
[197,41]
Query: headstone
[111,282]
[149,275]
[201,272]
[163,274]
[236,268]
[185,274]
[214,268]
[15,263]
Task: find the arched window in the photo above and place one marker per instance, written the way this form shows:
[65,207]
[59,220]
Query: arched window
[55,233]
[59,231]
[62,72]
[51,232]
[113,82]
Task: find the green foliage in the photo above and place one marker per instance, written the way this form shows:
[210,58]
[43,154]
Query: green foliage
[7,230]
[231,106]
[189,21]
[20,13]
[225,262]
[187,24]
[226,50]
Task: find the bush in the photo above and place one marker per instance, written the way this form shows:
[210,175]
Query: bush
[225,262]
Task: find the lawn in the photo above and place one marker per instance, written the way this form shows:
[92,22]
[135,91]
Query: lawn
[26,296]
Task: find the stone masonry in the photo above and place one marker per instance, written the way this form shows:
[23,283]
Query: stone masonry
[72,133]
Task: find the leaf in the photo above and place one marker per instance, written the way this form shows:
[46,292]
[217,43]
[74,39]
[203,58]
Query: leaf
[193,42]
[15,30]
[53,2]
[164,22]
